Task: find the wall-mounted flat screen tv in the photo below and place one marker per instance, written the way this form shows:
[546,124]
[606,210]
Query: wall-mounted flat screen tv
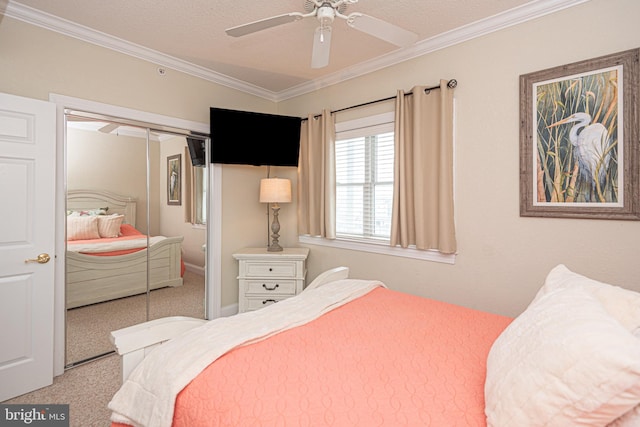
[248,138]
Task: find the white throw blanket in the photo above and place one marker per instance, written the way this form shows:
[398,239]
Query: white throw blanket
[116,245]
[148,396]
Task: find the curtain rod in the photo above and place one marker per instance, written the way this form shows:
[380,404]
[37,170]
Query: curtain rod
[450,84]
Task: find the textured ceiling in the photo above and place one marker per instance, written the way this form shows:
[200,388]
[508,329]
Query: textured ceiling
[278,59]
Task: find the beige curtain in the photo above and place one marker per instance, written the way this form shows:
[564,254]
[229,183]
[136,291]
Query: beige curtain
[423,185]
[190,210]
[316,177]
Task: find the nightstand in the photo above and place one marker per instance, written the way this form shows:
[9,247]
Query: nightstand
[267,277]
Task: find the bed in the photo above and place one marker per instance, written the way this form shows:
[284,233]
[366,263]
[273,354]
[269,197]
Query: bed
[111,262]
[353,353]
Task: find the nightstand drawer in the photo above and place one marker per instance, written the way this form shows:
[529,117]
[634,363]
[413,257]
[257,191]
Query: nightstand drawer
[270,269]
[270,287]
[257,303]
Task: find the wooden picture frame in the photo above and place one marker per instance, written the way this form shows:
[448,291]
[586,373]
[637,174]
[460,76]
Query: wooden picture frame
[579,139]
[174,180]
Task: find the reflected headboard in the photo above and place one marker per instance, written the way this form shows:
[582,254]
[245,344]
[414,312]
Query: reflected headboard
[96,199]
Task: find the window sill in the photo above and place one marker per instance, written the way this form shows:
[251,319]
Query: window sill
[430,255]
[199,226]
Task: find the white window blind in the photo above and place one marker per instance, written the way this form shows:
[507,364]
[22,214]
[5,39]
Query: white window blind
[364,178]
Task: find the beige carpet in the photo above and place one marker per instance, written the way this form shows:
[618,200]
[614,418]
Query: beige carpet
[89,387]
[88,327]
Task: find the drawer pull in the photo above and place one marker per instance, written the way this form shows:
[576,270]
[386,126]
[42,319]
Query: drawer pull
[270,269]
[267,301]
[264,285]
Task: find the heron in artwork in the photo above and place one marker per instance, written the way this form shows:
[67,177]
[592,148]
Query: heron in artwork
[592,149]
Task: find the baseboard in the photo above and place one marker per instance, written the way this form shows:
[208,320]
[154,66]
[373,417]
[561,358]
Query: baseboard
[196,269]
[229,310]
[226,311]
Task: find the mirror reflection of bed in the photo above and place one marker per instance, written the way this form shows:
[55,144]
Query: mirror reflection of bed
[127,249]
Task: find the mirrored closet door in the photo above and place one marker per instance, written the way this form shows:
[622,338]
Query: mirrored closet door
[136,219]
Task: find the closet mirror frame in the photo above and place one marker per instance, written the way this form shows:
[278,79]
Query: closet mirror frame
[148,129]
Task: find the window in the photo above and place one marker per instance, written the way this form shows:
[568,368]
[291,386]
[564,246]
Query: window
[201,195]
[364,178]
[195,179]
[364,190]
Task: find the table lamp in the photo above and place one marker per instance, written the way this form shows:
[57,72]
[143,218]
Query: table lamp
[275,190]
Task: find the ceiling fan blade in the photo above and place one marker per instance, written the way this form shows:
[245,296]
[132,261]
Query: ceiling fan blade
[71,118]
[109,128]
[381,29]
[263,24]
[321,47]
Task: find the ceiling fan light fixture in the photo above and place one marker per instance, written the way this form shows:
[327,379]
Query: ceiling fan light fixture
[322,31]
[321,47]
[326,14]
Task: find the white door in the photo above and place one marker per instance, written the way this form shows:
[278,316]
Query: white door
[27,221]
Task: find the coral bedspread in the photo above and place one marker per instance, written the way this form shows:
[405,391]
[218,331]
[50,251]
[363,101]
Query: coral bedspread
[386,358]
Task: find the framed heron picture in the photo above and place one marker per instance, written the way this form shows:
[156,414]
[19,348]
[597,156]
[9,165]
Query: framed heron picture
[579,139]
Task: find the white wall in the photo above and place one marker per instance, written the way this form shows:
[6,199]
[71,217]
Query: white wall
[503,258]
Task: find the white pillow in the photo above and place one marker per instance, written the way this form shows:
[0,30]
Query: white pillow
[622,304]
[632,417]
[629,419]
[109,225]
[82,227]
[565,361]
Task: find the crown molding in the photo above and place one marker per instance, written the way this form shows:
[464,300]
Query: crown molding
[529,11]
[50,22]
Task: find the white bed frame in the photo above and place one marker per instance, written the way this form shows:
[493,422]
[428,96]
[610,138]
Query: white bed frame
[92,279]
[135,342]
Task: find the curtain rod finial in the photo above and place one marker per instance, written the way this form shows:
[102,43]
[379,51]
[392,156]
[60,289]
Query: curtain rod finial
[452,83]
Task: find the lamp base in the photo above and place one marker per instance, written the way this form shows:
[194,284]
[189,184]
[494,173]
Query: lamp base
[274,247]
[275,229]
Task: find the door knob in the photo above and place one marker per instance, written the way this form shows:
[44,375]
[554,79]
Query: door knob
[41,259]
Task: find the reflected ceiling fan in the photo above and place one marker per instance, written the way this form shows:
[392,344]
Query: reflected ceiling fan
[100,125]
[106,127]
[325,11]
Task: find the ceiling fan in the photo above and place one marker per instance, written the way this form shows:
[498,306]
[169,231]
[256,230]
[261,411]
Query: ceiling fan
[99,125]
[325,11]
[103,127]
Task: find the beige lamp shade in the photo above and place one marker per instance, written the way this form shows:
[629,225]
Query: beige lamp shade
[275,190]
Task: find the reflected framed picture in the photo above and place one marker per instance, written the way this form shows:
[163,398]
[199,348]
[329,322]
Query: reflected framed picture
[174,180]
[579,139]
